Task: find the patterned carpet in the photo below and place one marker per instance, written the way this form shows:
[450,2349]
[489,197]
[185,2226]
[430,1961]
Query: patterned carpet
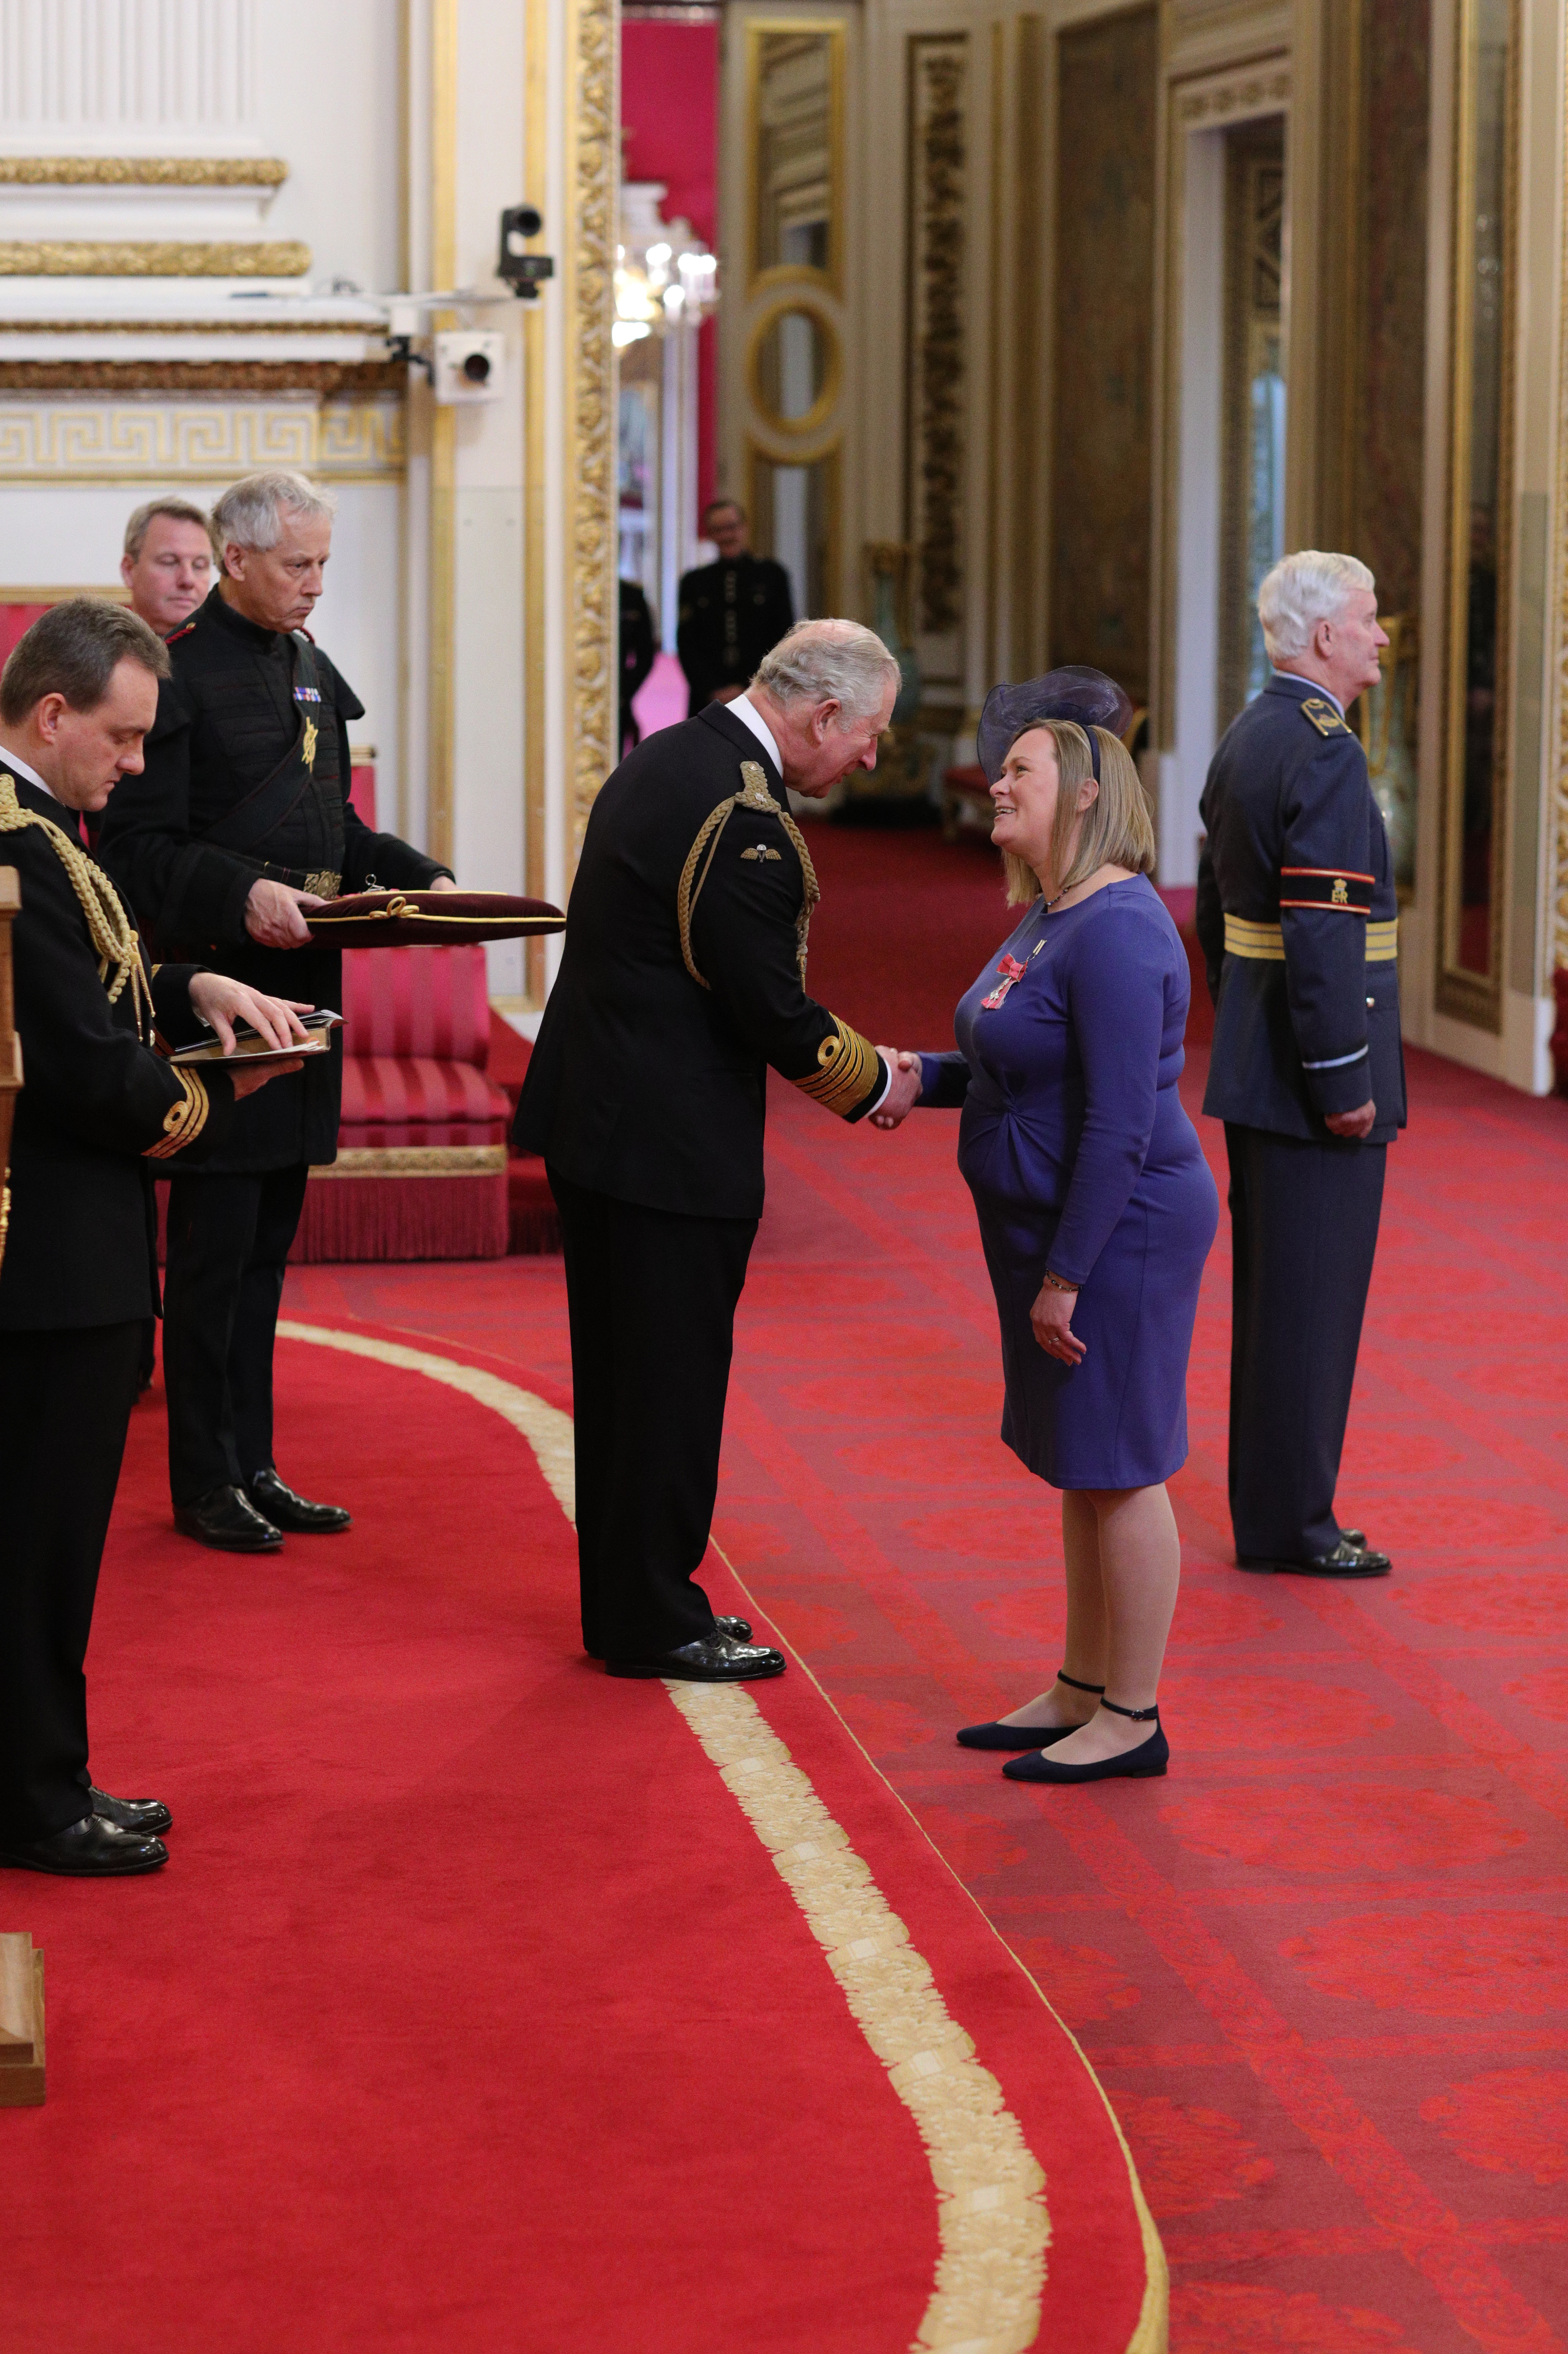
[1319,1966]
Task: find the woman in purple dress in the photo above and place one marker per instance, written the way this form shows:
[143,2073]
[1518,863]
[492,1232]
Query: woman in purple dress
[1097,1209]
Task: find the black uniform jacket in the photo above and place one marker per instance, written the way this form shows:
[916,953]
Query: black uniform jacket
[731,614]
[98,1112]
[645,1084]
[226,757]
[1296,917]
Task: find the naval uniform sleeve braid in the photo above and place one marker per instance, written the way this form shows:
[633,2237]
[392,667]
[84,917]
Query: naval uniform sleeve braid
[742,932]
[84,1065]
[1115,1001]
[1325,891]
[182,890]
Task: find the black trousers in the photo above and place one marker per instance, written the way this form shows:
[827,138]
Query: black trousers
[651,1297]
[65,1402]
[229,1245]
[1304,1221]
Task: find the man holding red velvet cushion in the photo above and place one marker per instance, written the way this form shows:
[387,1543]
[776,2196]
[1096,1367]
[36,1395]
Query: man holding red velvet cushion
[239,824]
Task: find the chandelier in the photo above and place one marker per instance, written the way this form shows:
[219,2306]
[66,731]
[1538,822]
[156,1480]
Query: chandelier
[664,275]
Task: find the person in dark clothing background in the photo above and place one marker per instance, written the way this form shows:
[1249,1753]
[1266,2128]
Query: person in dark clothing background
[238,825]
[733,612]
[637,651]
[98,1105]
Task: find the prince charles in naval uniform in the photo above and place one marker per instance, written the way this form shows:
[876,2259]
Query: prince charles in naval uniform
[1297,918]
[683,979]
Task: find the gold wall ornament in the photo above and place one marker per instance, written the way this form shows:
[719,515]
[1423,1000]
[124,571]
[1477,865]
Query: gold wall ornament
[204,320]
[594,179]
[141,171]
[1218,99]
[795,151]
[92,442]
[937,353]
[137,257]
[327,380]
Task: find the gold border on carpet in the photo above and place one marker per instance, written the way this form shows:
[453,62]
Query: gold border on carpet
[994,2222]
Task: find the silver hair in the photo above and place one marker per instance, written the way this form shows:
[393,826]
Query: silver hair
[250,514]
[829,661]
[1302,591]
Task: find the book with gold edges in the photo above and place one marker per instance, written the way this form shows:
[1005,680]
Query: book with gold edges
[249,1046]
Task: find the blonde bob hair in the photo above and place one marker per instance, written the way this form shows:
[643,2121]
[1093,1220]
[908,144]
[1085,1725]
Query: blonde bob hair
[1116,829]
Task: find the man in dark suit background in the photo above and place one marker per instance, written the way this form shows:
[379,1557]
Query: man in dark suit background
[78,1278]
[1298,917]
[637,650]
[683,979]
[238,826]
[733,612]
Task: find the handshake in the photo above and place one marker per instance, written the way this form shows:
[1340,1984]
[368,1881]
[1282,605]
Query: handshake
[904,1089]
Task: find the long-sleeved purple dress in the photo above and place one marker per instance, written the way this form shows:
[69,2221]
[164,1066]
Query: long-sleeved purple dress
[1080,1157]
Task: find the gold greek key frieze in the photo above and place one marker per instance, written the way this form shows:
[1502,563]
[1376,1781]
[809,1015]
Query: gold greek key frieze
[595,177]
[137,257]
[141,171]
[144,441]
[992,2221]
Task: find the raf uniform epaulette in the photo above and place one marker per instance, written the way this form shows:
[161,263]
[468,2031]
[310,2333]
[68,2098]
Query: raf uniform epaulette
[1324,717]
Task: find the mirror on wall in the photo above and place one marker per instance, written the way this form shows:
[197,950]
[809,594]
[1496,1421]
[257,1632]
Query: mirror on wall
[794,512]
[794,360]
[1479,556]
[794,99]
[1253,487]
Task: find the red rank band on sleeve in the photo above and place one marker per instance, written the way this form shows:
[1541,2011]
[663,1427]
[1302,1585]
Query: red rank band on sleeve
[1326,886]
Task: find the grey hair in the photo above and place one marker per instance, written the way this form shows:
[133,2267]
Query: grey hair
[1302,591]
[829,661]
[250,514]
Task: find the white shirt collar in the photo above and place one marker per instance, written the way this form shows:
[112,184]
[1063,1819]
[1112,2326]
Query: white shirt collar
[747,712]
[1316,683]
[20,768]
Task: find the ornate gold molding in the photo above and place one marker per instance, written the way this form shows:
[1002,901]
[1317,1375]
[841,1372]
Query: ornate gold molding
[938,169]
[1254,91]
[206,324]
[74,256]
[86,442]
[141,171]
[593,177]
[327,380]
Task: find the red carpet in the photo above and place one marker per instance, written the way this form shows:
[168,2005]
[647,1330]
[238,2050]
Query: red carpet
[1319,1968]
[471,2013]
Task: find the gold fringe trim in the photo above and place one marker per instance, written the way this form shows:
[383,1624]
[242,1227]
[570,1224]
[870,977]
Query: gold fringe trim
[184,1121]
[112,933]
[849,1069]
[753,795]
[416,1161]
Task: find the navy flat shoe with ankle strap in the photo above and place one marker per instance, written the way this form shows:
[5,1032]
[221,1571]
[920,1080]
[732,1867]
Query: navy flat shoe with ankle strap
[1150,1757]
[1026,1736]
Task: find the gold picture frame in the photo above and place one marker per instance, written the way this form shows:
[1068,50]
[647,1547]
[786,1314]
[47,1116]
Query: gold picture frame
[762,276]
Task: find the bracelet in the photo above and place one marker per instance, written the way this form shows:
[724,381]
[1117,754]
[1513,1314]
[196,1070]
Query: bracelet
[1056,1283]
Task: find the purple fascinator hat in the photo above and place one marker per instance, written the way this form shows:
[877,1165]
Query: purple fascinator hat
[1074,692]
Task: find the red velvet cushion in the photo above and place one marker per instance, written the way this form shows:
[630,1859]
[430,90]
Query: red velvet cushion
[423,1001]
[418,1099]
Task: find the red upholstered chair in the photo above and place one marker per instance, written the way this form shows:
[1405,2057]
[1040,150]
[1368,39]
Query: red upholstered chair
[421,1165]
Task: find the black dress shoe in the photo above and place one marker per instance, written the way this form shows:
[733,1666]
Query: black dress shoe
[281,1505]
[1013,1736]
[714,1661]
[230,1520]
[148,1815]
[91,1850]
[1348,1559]
[737,1630]
[1150,1757]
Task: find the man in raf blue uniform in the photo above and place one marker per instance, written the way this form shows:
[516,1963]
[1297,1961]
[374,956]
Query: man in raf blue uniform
[1298,919]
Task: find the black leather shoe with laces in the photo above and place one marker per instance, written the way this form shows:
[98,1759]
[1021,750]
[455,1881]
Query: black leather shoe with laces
[148,1815]
[229,1521]
[91,1850]
[737,1631]
[1348,1559]
[714,1661]
[286,1510]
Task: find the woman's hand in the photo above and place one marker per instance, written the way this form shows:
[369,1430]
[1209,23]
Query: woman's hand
[904,1092]
[1052,1320]
[222,1003]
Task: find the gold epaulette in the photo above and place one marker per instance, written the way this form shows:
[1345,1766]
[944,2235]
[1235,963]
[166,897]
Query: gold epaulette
[849,1068]
[1324,717]
[754,795]
[184,1121]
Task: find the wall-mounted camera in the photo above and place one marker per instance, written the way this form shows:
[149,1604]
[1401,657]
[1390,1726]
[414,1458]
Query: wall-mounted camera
[469,366]
[523,271]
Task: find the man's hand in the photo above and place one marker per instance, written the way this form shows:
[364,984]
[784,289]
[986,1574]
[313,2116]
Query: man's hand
[1357,1124]
[222,1003]
[904,1089]
[274,918]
